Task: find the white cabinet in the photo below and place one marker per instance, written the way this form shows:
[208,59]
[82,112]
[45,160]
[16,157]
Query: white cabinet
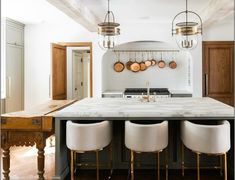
[14,32]
[14,49]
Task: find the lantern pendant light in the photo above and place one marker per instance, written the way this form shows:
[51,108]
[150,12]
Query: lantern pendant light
[187,32]
[108,31]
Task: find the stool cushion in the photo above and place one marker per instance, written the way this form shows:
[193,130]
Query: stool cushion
[146,137]
[88,136]
[210,139]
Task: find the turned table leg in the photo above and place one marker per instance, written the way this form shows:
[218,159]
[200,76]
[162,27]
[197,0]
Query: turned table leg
[41,159]
[6,163]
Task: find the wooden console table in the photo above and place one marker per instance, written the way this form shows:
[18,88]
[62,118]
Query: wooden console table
[27,128]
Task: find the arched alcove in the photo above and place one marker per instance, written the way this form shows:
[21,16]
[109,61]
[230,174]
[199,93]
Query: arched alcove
[174,79]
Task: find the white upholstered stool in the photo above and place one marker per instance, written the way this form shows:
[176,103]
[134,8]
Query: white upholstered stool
[146,137]
[213,139]
[82,137]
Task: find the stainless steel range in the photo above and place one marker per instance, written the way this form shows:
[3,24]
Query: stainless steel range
[139,92]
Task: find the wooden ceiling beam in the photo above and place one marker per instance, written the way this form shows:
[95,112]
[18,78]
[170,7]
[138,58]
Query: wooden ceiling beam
[215,11]
[78,12]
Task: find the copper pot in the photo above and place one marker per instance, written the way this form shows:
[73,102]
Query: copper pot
[148,63]
[135,66]
[118,66]
[153,61]
[161,63]
[172,64]
[128,64]
[143,66]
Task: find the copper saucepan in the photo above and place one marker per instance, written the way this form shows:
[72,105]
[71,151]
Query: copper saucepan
[148,62]
[153,61]
[172,63]
[118,66]
[135,66]
[161,63]
[143,66]
[129,63]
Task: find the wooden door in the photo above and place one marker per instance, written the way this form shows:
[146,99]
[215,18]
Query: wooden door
[218,70]
[59,75]
[77,75]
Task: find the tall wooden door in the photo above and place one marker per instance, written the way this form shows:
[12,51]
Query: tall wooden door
[218,70]
[59,84]
[77,75]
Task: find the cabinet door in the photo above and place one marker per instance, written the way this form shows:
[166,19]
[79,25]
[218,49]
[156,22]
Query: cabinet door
[14,78]
[59,83]
[14,33]
[218,71]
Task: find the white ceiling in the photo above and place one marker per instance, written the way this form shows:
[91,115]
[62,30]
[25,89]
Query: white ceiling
[31,11]
[148,11]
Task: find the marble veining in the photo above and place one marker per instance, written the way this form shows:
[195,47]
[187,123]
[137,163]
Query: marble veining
[163,107]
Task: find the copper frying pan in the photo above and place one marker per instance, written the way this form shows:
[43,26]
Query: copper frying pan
[118,66]
[135,66]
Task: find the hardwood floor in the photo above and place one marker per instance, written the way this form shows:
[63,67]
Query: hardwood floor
[23,162]
[24,167]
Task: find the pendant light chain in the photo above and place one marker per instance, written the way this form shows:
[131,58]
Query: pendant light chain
[186,19]
[108,30]
[108,12]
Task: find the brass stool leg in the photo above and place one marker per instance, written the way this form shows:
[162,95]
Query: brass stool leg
[166,161]
[158,166]
[225,166]
[97,165]
[111,160]
[221,164]
[182,158]
[132,164]
[72,165]
[198,166]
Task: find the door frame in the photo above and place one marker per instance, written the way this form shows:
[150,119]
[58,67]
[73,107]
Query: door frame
[82,44]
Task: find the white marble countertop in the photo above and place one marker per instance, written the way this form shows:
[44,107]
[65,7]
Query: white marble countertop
[163,107]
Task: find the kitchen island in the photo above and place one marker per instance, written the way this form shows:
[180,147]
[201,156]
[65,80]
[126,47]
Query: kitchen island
[121,109]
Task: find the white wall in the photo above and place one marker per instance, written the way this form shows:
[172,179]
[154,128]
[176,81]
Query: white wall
[174,79]
[38,55]
[153,32]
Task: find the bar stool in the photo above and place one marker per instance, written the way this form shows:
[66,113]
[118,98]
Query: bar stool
[211,139]
[142,136]
[88,136]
